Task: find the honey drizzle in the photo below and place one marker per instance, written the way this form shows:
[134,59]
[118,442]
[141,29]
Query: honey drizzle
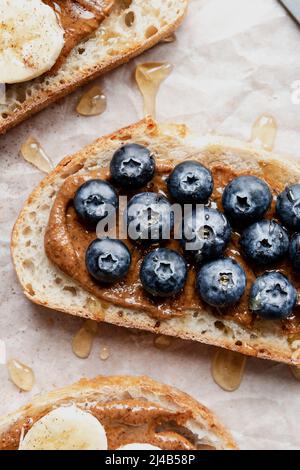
[104,353]
[21,375]
[83,340]
[228,369]
[92,103]
[264,132]
[149,77]
[162,342]
[32,151]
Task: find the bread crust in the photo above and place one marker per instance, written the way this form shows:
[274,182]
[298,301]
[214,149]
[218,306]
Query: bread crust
[34,104]
[117,387]
[265,341]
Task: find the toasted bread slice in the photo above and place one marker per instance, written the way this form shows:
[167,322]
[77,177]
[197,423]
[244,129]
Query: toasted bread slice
[45,284]
[202,426]
[113,44]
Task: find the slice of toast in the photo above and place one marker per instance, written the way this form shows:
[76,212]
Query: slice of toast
[45,284]
[113,44]
[202,425]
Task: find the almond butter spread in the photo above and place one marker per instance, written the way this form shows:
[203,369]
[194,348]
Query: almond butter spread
[125,421]
[66,241]
[79,19]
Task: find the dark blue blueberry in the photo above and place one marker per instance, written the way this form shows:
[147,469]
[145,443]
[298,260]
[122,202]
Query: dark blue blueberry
[190,183]
[132,166]
[288,207]
[107,260]
[163,272]
[265,242]
[149,218]
[95,200]
[272,296]
[246,199]
[294,251]
[221,283]
[206,233]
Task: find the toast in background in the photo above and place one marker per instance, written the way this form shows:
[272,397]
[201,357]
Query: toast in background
[113,44]
[173,420]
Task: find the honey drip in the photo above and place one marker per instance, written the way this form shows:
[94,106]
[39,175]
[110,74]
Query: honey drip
[296,372]
[32,152]
[171,38]
[264,132]
[83,340]
[104,354]
[162,342]
[149,77]
[228,369]
[92,103]
[21,375]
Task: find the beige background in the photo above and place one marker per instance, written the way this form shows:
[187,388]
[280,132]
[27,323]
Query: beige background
[234,60]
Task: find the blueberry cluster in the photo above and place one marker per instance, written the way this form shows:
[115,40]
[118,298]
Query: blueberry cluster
[206,232]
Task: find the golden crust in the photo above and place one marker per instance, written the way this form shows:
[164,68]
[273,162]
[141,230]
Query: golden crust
[105,388]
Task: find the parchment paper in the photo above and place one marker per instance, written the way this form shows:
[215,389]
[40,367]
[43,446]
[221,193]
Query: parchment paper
[233,60]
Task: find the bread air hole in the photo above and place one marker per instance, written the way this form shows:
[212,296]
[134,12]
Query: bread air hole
[27,231]
[129,18]
[70,289]
[29,266]
[239,343]
[150,31]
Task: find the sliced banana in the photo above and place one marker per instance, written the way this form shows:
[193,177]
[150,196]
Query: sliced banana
[31,39]
[138,446]
[66,428]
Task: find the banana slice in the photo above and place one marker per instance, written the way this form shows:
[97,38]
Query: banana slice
[31,39]
[138,446]
[66,428]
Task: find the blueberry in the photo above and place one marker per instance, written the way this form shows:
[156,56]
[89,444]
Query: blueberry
[149,218]
[94,200]
[132,166]
[272,296]
[206,233]
[265,242]
[163,272]
[190,183]
[221,283]
[107,260]
[246,199]
[288,207]
[294,251]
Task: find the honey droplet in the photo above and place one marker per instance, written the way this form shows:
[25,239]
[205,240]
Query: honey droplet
[96,309]
[264,132]
[162,342]
[170,38]
[92,103]
[32,152]
[83,340]
[149,77]
[21,375]
[228,369]
[104,354]
[296,372]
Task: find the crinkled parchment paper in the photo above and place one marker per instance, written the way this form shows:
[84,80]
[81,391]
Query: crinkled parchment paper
[233,60]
